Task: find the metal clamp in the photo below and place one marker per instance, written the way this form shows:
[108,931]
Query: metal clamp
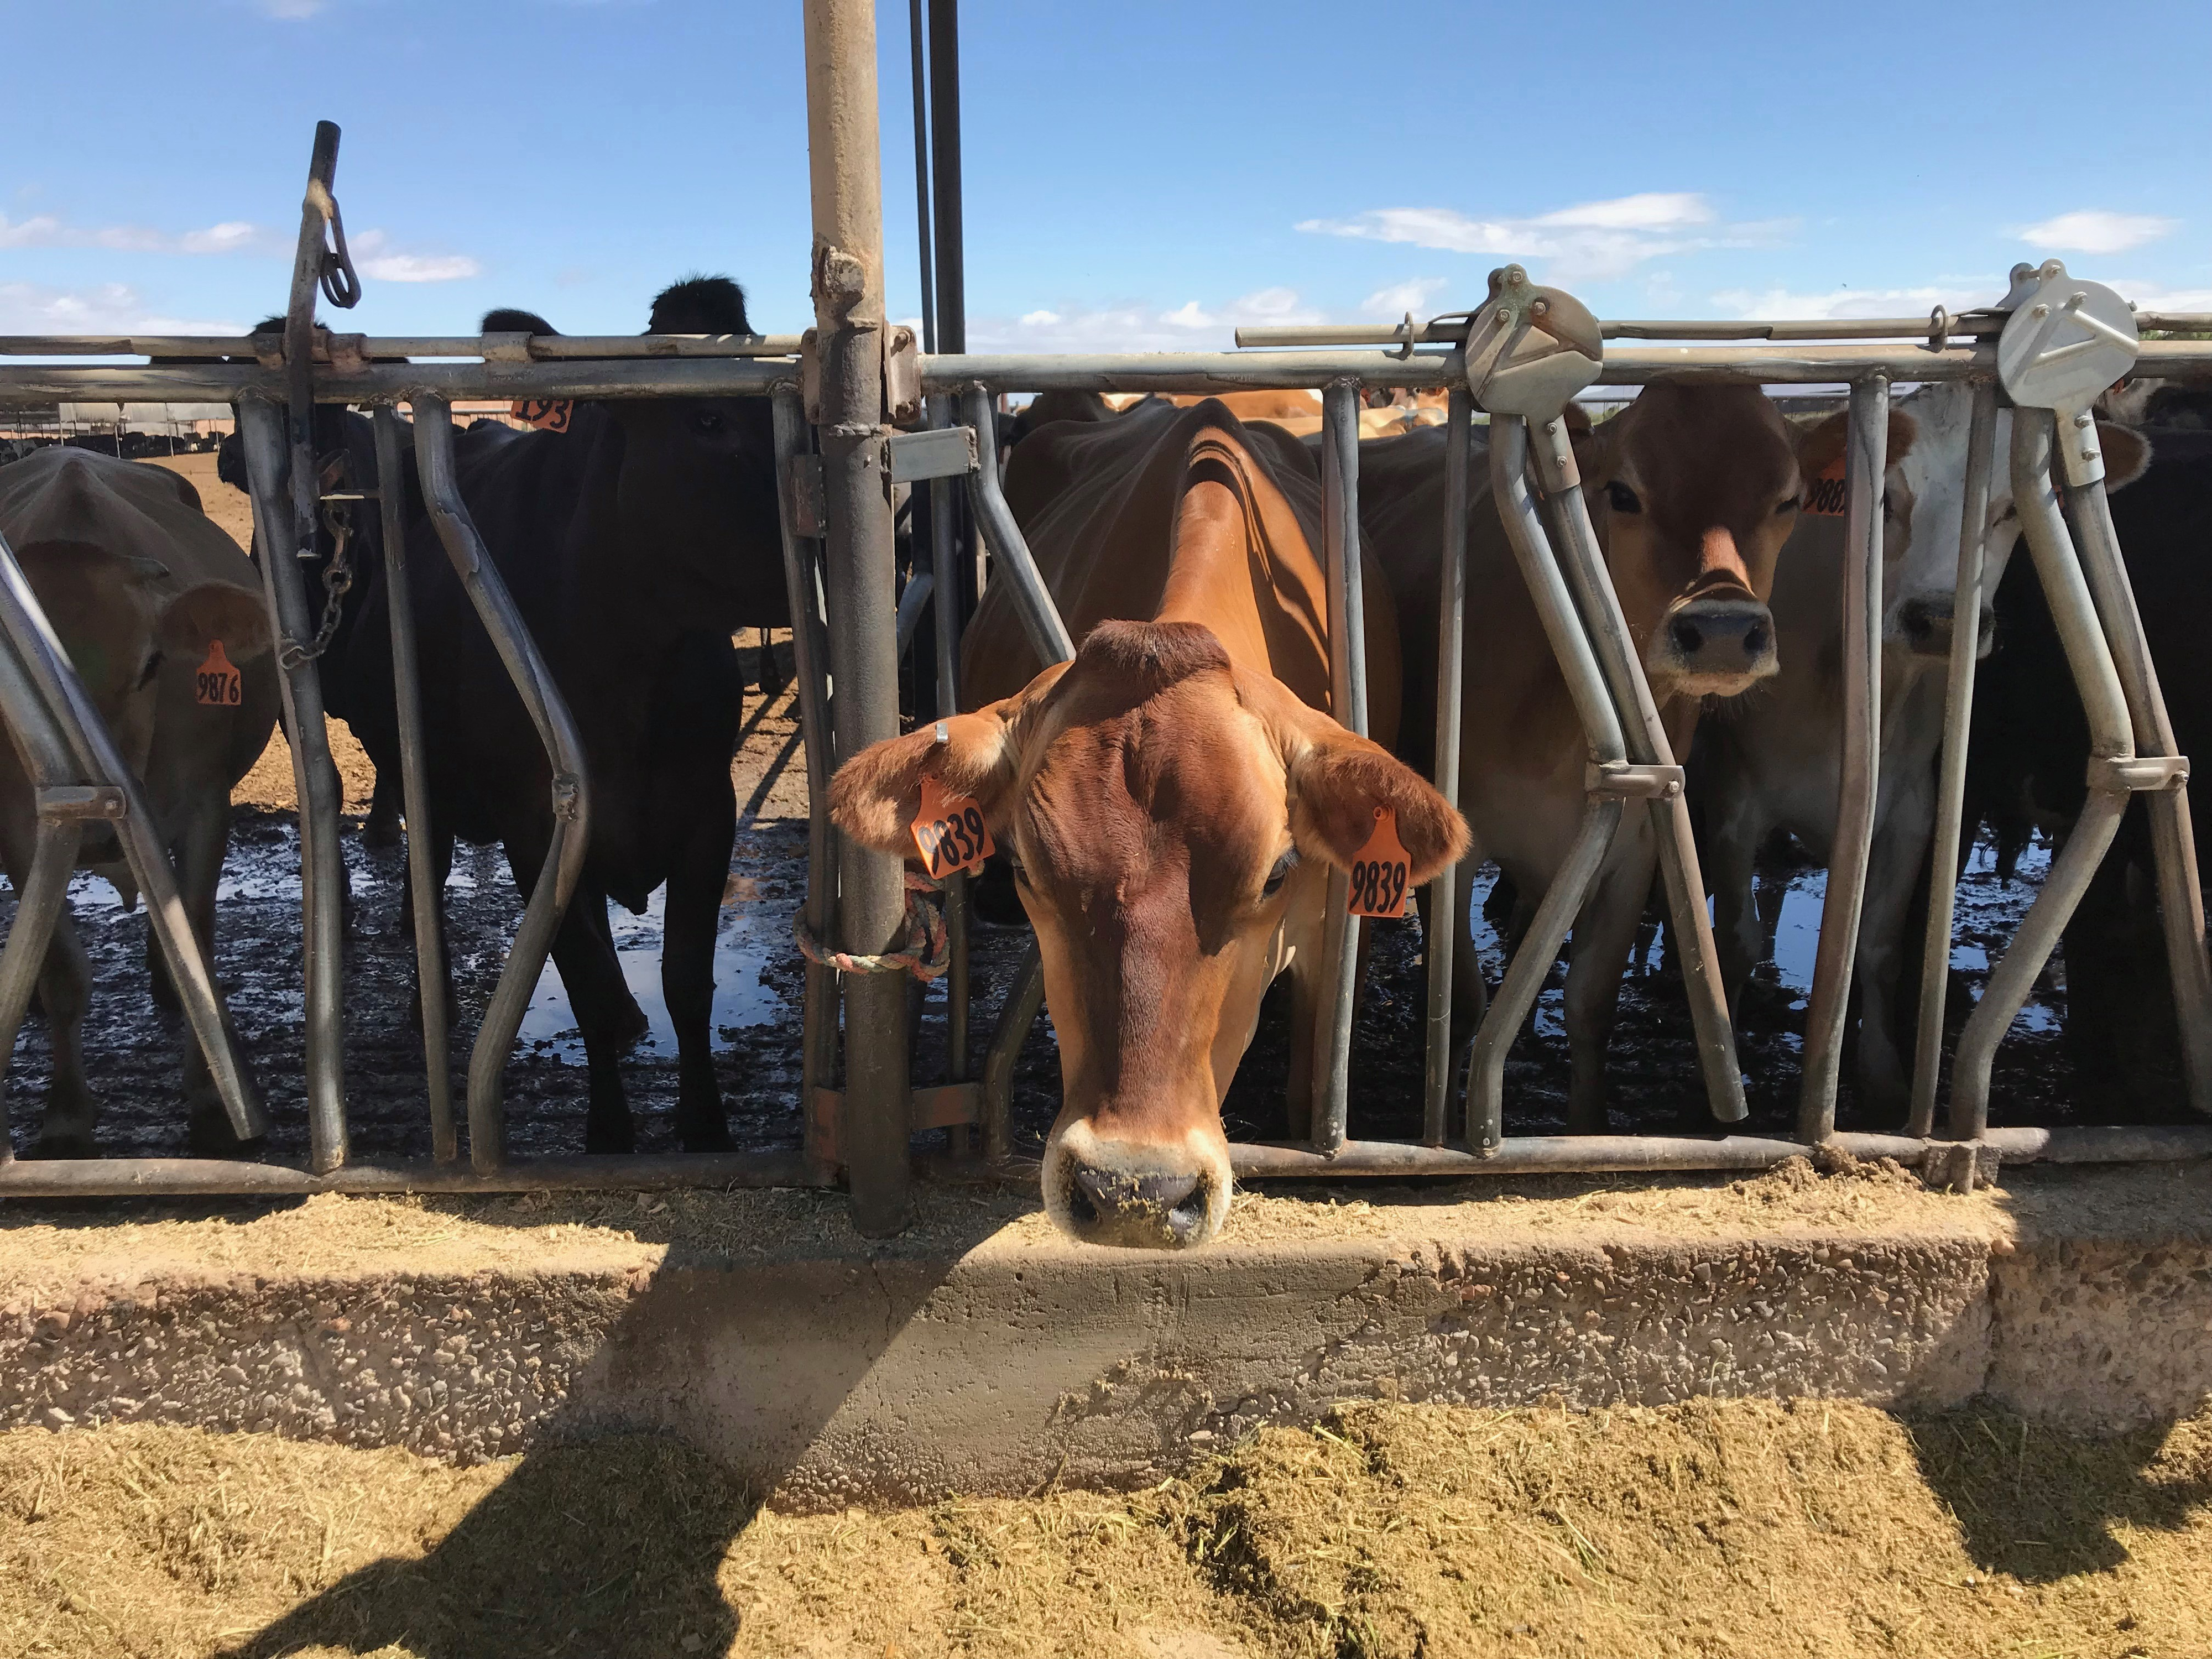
[1509,372]
[2066,341]
[1627,780]
[2153,774]
[69,803]
[937,452]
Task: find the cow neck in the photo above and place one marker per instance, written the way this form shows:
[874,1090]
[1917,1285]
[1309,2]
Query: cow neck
[615,589]
[1241,565]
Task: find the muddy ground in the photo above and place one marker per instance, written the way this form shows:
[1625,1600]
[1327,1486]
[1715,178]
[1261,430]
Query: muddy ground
[1749,1528]
[133,1049]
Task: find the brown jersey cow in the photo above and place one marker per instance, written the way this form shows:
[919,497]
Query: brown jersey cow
[1173,799]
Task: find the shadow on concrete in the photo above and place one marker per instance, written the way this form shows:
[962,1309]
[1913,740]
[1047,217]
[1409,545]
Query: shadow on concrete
[2041,1505]
[609,1548]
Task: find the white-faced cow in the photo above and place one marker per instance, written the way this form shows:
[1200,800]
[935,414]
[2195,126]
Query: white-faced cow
[1693,488]
[144,592]
[1173,799]
[633,543]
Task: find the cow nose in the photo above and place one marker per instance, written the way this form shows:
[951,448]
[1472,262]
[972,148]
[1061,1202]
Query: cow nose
[1153,1209]
[1728,638]
[1926,625]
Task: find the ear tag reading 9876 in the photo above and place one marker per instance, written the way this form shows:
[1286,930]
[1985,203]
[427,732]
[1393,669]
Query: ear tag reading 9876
[949,831]
[215,682]
[1379,870]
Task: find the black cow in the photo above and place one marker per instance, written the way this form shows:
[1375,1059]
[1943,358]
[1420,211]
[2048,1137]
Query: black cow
[2026,762]
[634,544]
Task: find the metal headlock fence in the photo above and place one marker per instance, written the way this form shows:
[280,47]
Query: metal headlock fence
[856,404]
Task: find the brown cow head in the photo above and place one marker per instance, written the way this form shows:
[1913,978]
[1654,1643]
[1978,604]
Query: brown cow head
[1172,820]
[1693,492]
[118,616]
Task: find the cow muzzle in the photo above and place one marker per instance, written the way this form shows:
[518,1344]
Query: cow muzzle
[1925,626]
[1715,647]
[1136,1195]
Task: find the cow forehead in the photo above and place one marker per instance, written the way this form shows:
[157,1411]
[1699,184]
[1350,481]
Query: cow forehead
[1706,453]
[1182,776]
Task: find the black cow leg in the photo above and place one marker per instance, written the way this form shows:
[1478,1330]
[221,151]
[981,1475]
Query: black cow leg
[591,973]
[382,828]
[692,914]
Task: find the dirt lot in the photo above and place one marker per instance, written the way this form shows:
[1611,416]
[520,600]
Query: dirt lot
[1751,1528]
[133,1057]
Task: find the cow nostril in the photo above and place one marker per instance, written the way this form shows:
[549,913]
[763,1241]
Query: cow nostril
[1754,642]
[1166,1205]
[1689,638]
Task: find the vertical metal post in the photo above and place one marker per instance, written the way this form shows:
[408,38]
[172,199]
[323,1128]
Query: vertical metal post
[810,657]
[1951,778]
[918,46]
[314,777]
[844,151]
[1347,676]
[1866,459]
[570,785]
[944,565]
[431,979]
[1447,905]
[944,175]
[2090,656]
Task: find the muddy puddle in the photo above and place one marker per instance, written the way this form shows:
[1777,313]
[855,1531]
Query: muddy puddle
[132,1048]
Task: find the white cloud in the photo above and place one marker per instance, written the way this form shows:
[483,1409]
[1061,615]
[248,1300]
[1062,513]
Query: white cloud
[2150,296]
[419,267]
[2094,231]
[289,10]
[1412,295]
[1137,327]
[1593,241]
[48,230]
[1779,303]
[373,261]
[110,308]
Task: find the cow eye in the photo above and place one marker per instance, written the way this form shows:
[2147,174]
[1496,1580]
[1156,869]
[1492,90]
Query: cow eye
[153,667]
[1279,874]
[1622,498]
[706,420]
[1021,870]
[1787,504]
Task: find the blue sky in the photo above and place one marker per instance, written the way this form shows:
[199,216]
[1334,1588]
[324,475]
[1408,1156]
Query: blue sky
[1140,175]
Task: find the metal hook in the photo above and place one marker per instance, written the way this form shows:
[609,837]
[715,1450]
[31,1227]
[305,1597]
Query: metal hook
[1406,351]
[341,283]
[1939,329]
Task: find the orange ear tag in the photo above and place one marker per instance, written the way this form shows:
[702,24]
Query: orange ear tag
[1824,497]
[547,415]
[949,831]
[1379,871]
[216,682]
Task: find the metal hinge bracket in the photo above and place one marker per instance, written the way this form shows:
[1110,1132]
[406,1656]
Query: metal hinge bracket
[942,452]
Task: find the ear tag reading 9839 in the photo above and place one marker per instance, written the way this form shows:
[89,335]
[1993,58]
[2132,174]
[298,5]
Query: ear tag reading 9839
[949,831]
[1379,870]
[215,682]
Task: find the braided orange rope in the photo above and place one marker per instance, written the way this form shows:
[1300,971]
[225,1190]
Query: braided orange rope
[924,920]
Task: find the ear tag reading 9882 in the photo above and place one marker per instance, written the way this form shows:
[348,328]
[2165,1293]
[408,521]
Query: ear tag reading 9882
[1379,870]
[949,831]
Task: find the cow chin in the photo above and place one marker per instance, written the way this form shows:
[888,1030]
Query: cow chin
[1136,1195]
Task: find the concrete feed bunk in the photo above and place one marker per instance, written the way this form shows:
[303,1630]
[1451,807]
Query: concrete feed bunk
[983,1353]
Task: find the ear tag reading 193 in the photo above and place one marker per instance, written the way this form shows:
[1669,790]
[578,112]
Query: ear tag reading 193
[1824,496]
[216,682]
[1379,870]
[547,415]
[949,831]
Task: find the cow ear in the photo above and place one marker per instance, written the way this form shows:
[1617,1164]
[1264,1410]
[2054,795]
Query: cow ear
[1338,784]
[2127,454]
[209,612]
[1821,445]
[876,795]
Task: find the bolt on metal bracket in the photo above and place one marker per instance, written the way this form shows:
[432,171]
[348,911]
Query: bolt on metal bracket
[1629,781]
[71,803]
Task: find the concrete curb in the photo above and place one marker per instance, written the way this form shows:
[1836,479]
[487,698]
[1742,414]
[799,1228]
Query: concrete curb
[847,1375]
